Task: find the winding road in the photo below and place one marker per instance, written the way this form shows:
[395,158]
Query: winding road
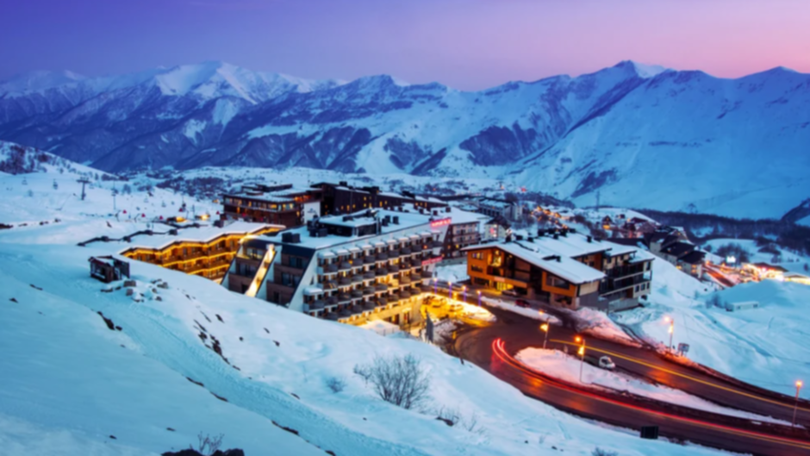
[492,347]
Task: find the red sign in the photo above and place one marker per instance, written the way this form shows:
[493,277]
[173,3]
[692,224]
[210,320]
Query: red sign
[441,222]
[432,260]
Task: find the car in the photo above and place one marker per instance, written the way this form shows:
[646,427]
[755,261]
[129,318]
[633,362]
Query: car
[606,363]
[522,303]
[510,293]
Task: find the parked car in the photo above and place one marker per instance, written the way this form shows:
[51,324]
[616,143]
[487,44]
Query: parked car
[522,303]
[510,293]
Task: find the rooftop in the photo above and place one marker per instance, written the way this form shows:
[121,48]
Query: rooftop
[410,222]
[548,260]
[204,233]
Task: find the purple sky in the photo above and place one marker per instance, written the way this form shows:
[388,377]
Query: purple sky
[467,44]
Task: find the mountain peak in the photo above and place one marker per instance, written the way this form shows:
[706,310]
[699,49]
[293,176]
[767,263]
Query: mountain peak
[34,81]
[643,70]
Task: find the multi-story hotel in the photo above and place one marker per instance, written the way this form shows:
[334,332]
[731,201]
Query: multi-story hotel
[205,251]
[463,231]
[563,268]
[343,199]
[277,204]
[370,265]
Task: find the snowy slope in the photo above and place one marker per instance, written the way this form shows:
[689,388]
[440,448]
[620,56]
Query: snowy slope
[764,346]
[642,135]
[70,374]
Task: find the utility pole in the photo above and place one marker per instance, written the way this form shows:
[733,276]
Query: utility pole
[597,201]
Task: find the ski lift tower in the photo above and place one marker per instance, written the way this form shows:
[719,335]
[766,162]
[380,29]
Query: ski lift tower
[84,181]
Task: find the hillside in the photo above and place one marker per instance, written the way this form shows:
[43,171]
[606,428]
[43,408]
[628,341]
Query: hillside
[641,136]
[72,386]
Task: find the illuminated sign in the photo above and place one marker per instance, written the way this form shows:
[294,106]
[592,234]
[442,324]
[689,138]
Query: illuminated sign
[432,260]
[441,222]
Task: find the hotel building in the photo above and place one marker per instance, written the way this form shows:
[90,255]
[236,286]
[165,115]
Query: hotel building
[563,268]
[374,264]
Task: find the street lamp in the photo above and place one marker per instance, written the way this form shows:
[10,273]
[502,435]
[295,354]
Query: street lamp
[581,353]
[796,405]
[464,289]
[671,330]
[544,327]
[479,298]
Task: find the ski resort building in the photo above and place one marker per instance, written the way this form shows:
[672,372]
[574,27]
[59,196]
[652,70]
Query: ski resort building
[464,229]
[563,268]
[276,204]
[342,198]
[369,265]
[204,251]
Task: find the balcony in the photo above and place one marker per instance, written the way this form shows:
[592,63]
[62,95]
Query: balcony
[436,244]
[369,305]
[382,257]
[344,298]
[427,275]
[393,297]
[382,301]
[357,278]
[404,280]
[368,275]
[394,253]
[381,287]
[405,294]
[331,301]
[380,272]
[406,251]
[317,305]
[368,291]
[425,288]
[330,268]
[356,294]
[343,281]
[344,266]
[624,271]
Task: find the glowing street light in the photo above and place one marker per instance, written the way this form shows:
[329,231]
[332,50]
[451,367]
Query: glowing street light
[581,353]
[544,328]
[671,330]
[479,298]
[796,405]
[464,289]
[450,290]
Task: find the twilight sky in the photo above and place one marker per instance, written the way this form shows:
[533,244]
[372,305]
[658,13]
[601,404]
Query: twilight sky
[467,44]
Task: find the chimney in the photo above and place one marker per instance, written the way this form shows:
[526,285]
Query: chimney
[590,239]
[396,220]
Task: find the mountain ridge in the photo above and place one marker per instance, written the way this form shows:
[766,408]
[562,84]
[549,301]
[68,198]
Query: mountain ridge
[639,134]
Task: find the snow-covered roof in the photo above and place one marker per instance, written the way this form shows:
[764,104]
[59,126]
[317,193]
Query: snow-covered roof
[548,260]
[203,234]
[409,223]
[459,216]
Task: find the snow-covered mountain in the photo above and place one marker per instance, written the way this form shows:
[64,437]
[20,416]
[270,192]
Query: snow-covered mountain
[642,136]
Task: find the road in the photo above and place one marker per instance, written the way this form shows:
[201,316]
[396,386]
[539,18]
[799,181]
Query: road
[517,332]
[718,276]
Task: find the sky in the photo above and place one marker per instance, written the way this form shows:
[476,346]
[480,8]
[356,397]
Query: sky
[466,44]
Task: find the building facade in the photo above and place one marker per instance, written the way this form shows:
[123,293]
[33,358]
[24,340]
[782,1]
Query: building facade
[342,198]
[369,265]
[276,204]
[207,257]
[563,268]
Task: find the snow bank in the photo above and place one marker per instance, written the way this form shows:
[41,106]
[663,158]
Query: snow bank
[566,367]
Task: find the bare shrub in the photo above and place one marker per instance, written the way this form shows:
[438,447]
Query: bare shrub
[400,380]
[207,445]
[336,384]
[450,416]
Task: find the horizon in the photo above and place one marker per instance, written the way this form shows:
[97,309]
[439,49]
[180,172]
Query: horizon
[471,47]
[397,79]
